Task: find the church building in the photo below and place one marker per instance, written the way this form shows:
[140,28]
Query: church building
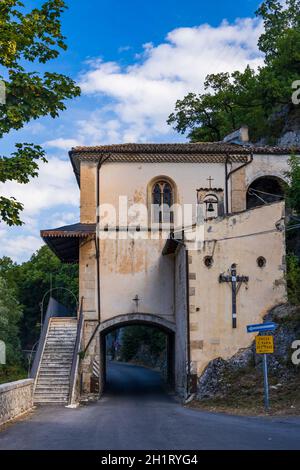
[189,238]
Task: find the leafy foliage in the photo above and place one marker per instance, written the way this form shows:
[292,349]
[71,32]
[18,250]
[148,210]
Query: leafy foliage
[293,202]
[293,279]
[293,189]
[257,99]
[27,38]
[32,280]
[10,316]
[135,336]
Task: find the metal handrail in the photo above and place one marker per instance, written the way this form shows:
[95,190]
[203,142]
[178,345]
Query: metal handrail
[75,362]
[38,355]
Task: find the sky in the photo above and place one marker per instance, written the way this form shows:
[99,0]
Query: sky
[132,60]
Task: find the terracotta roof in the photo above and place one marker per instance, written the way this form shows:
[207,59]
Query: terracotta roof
[201,147]
[76,230]
[201,152]
[64,241]
[178,148]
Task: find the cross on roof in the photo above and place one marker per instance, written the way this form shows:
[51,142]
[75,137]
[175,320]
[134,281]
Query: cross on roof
[210,180]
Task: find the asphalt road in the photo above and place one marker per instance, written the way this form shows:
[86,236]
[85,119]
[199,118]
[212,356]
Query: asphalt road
[136,413]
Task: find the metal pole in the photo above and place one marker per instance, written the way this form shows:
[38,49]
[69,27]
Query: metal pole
[234,295]
[266,382]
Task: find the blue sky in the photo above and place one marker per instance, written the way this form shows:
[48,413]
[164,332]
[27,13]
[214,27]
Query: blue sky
[132,60]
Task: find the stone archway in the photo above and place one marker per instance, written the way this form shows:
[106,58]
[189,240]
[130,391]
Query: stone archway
[120,321]
[265,190]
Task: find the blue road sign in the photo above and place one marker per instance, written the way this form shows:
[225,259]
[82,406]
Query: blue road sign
[263,327]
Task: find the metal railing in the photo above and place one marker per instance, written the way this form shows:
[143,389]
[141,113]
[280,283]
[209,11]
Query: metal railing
[76,358]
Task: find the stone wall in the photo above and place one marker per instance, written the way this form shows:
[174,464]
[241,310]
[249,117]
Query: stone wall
[15,398]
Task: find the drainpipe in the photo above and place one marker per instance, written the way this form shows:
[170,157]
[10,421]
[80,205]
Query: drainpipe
[228,175]
[97,242]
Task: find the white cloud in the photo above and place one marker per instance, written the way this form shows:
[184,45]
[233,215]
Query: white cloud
[61,143]
[144,94]
[51,200]
[17,247]
[55,186]
[138,100]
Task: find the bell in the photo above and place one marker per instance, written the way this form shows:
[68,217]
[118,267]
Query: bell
[210,207]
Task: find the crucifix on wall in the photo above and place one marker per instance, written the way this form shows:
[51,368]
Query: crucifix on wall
[136,300]
[236,283]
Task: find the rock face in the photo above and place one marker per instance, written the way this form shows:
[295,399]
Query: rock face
[216,379]
[291,131]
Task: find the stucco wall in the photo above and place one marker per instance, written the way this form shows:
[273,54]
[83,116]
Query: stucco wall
[15,398]
[132,180]
[211,332]
[136,267]
[181,356]
[264,165]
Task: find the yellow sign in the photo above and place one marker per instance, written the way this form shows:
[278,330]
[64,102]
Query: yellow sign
[264,345]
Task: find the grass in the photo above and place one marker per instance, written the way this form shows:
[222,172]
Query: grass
[245,396]
[12,373]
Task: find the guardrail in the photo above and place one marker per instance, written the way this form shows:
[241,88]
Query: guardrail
[76,358]
[54,309]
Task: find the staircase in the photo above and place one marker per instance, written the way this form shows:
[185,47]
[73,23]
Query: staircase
[53,379]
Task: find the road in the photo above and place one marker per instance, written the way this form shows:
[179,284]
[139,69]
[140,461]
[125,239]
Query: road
[136,414]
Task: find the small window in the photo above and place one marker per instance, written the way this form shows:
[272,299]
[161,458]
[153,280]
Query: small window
[208,261]
[261,262]
[162,201]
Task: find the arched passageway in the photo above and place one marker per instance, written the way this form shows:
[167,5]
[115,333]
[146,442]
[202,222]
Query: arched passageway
[265,190]
[146,340]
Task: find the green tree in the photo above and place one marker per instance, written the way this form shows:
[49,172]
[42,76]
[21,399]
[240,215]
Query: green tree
[136,336]
[293,189]
[293,279]
[32,280]
[260,99]
[28,38]
[10,316]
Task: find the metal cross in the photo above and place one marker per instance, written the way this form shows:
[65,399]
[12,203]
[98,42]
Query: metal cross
[236,282]
[137,301]
[210,180]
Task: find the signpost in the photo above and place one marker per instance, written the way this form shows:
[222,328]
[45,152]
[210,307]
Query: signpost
[262,327]
[264,346]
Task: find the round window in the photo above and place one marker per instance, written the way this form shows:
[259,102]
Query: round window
[208,261]
[261,262]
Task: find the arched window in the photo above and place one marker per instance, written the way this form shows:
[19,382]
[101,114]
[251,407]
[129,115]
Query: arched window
[162,202]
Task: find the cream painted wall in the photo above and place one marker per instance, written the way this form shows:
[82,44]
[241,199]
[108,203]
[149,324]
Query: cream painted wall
[212,334]
[136,267]
[132,179]
[263,165]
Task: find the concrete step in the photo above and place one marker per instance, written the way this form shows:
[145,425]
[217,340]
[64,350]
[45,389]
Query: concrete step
[64,367]
[53,381]
[49,402]
[52,390]
[58,355]
[62,344]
